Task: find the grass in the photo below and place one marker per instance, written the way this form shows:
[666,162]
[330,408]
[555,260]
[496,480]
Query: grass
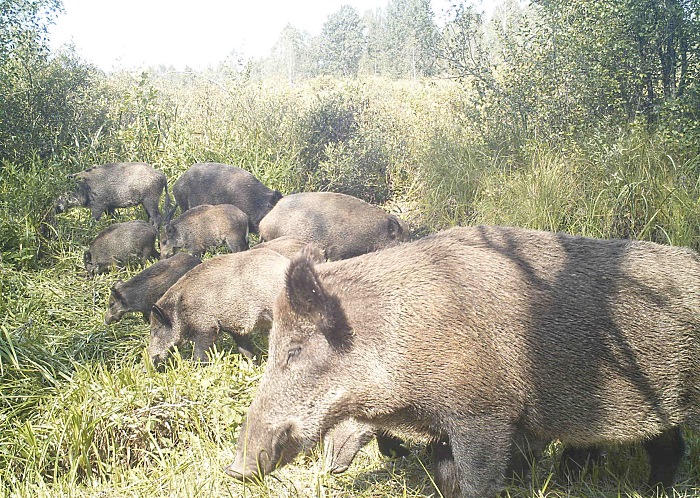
[82,411]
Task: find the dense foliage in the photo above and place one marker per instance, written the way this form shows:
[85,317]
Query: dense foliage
[578,116]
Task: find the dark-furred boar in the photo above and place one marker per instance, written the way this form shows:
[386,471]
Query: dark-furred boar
[342,225]
[215,183]
[141,292]
[483,338]
[117,185]
[233,293]
[119,244]
[205,227]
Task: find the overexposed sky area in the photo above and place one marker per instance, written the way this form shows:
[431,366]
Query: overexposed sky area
[199,33]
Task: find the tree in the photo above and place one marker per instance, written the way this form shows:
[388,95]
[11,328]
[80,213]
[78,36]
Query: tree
[292,54]
[24,23]
[649,48]
[342,43]
[558,67]
[47,101]
[411,38]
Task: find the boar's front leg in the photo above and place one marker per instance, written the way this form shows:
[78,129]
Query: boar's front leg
[203,340]
[481,449]
[96,210]
[343,442]
[665,452]
[446,478]
[245,346]
[150,205]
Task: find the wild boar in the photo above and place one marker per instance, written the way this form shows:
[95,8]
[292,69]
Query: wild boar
[119,244]
[343,225]
[205,227]
[215,183]
[483,338]
[233,293]
[287,246]
[142,291]
[116,185]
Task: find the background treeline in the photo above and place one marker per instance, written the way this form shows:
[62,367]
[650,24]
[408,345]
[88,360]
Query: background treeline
[574,115]
[599,98]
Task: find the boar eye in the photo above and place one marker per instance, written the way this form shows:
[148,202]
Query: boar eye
[293,353]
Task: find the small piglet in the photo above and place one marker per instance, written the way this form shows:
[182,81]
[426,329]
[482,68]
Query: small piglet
[233,293]
[141,292]
[119,244]
[205,227]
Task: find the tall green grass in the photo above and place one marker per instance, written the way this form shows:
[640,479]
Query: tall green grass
[83,412]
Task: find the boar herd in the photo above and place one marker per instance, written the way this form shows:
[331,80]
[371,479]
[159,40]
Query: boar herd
[486,343]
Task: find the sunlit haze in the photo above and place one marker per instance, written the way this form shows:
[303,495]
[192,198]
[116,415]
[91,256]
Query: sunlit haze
[135,33]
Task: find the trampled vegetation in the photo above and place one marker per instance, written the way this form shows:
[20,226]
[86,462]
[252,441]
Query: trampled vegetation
[551,122]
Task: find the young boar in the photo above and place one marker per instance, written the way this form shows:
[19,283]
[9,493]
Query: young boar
[120,243]
[343,225]
[233,293]
[205,227]
[116,185]
[287,246]
[141,292]
[215,183]
[483,338]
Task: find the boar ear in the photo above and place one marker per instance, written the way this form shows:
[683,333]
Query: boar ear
[115,291]
[308,297]
[275,197]
[303,288]
[161,316]
[314,253]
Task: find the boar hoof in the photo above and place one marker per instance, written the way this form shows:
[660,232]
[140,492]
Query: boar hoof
[665,452]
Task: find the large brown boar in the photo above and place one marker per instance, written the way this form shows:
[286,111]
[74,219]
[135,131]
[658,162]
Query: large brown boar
[117,185]
[342,225]
[119,244]
[140,293]
[216,183]
[233,293]
[205,227]
[482,338]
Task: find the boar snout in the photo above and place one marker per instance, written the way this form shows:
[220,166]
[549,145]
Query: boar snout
[114,316]
[240,472]
[261,452]
[166,251]
[157,357]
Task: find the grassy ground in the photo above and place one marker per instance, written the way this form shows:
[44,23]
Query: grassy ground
[83,413]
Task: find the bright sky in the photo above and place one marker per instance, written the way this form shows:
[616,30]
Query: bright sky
[134,33]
